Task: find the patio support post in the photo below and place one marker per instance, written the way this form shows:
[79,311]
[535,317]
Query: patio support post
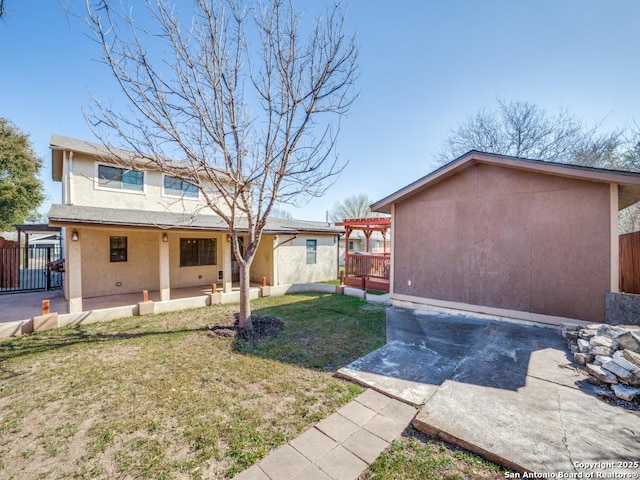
[615,240]
[384,240]
[226,265]
[165,282]
[74,272]
[346,251]
[275,275]
[367,236]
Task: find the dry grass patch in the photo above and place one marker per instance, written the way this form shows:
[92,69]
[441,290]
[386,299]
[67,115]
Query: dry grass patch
[155,397]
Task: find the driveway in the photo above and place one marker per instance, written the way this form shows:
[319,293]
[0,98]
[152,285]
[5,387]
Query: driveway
[502,389]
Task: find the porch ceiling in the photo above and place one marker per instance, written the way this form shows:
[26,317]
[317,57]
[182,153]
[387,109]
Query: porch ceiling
[628,195]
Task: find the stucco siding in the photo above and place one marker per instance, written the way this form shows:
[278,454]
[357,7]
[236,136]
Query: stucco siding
[100,275]
[292,260]
[181,277]
[86,191]
[507,238]
[263,261]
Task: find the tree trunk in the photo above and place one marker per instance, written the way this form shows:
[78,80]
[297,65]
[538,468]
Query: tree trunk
[244,320]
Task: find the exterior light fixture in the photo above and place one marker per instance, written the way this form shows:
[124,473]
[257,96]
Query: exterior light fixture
[74,236]
[165,237]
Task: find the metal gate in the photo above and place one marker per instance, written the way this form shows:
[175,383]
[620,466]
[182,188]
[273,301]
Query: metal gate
[27,269]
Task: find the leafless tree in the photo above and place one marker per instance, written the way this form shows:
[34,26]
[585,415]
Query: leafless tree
[277,212]
[353,206]
[523,129]
[244,95]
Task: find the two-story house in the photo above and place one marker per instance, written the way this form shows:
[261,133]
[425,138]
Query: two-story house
[126,230]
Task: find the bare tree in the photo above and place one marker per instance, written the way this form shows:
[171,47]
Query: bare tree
[277,212]
[354,206]
[238,96]
[523,129]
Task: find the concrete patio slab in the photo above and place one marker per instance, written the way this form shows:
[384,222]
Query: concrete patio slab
[285,463]
[365,445]
[357,413]
[252,473]
[341,464]
[313,444]
[312,472]
[504,390]
[23,306]
[337,427]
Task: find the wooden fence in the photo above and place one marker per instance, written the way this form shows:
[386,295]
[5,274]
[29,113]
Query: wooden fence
[630,263]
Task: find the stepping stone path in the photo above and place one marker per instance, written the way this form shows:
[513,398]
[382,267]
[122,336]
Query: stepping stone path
[341,446]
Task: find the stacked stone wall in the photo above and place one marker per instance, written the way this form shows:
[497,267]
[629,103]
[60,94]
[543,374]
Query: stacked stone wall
[610,355]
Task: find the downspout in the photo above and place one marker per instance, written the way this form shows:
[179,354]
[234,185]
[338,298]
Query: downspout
[70,189]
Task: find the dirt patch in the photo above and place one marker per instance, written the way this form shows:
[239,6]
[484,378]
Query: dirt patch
[264,327]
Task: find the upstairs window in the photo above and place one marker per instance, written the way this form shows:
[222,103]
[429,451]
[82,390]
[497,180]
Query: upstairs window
[118,249]
[312,248]
[120,178]
[179,188]
[198,251]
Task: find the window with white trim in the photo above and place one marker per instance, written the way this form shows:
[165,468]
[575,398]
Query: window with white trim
[177,187]
[120,178]
[312,250]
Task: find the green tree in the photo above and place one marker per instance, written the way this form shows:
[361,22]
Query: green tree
[21,191]
[354,206]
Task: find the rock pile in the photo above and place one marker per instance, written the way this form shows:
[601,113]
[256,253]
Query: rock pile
[610,355]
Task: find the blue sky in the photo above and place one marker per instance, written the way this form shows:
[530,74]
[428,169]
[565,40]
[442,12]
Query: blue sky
[425,66]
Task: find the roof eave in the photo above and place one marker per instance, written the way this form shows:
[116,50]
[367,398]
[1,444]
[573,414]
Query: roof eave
[629,180]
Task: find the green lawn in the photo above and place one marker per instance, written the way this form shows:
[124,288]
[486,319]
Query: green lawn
[159,397]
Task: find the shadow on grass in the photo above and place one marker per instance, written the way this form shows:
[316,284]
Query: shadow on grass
[322,332]
[46,342]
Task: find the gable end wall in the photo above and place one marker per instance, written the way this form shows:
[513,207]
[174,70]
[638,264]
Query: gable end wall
[507,238]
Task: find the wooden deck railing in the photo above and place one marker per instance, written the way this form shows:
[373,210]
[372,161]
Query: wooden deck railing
[368,266]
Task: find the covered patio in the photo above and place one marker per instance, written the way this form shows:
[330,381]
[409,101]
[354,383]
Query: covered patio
[23,306]
[116,252]
[366,269]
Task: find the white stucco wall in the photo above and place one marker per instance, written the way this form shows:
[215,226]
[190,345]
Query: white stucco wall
[291,258]
[85,190]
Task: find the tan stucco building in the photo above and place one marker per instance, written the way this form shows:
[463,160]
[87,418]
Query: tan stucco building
[127,230]
[506,235]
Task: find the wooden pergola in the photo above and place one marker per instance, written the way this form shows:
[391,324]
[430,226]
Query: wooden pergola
[368,270]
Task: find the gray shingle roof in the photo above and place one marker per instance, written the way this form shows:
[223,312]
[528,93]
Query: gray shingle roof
[77,214]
